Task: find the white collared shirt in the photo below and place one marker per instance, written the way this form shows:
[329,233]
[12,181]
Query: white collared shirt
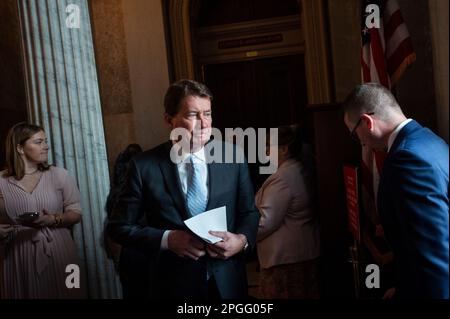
[183,171]
[397,130]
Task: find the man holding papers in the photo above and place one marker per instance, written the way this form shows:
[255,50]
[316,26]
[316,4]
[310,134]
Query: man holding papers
[165,194]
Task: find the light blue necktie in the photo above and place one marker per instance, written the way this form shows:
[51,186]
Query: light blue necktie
[196,196]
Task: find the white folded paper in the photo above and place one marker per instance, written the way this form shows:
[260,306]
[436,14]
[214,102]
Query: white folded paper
[214,219]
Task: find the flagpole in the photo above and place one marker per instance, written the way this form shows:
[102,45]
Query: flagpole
[354,260]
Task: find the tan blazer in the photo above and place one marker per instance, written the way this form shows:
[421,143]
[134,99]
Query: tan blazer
[288,229]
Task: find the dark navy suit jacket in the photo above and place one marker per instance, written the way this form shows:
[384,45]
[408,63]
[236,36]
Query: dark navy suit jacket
[414,211]
[153,192]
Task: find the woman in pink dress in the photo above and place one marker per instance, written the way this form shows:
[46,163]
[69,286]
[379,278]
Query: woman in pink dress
[34,255]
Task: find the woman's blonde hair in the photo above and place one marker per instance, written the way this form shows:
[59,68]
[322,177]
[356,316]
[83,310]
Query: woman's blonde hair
[18,135]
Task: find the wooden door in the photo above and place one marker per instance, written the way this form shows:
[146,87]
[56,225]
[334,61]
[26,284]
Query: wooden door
[258,93]
[262,93]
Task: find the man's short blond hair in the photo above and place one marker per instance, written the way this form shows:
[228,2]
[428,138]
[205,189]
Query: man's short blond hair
[371,98]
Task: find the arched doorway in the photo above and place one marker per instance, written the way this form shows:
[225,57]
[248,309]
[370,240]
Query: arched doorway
[313,25]
[255,57]
[253,61]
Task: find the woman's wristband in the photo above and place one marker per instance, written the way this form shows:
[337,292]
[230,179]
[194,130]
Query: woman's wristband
[58,220]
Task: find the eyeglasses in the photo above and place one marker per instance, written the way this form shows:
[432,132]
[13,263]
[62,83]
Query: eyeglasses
[353,134]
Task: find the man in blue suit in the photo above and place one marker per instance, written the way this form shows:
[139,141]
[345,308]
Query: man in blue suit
[413,190]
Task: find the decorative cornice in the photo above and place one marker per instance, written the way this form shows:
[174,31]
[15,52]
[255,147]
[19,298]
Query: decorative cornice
[250,28]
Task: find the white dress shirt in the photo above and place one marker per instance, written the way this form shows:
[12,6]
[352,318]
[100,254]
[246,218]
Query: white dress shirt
[183,171]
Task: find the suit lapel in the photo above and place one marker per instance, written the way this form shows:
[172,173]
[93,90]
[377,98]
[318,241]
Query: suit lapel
[216,179]
[213,173]
[213,180]
[172,180]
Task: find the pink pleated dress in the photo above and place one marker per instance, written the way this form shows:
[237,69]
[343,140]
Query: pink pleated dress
[33,261]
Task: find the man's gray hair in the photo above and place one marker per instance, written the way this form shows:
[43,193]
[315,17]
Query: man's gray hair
[370,97]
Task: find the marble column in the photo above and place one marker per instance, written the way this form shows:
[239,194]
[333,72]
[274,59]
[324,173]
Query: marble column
[63,97]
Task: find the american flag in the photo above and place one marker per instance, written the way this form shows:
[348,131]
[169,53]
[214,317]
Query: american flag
[386,53]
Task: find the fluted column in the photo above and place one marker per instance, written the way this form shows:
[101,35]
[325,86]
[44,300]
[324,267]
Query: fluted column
[63,97]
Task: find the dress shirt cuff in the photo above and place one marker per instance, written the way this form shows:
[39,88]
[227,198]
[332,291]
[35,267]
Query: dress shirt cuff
[164,240]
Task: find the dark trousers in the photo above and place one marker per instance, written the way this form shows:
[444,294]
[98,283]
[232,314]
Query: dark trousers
[213,291]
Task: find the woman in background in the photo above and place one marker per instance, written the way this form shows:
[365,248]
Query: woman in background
[34,254]
[288,240]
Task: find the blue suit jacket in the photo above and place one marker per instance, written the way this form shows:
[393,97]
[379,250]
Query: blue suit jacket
[413,207]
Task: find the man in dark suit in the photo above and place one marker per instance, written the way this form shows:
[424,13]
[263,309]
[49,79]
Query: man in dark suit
[413,190]
[181,265]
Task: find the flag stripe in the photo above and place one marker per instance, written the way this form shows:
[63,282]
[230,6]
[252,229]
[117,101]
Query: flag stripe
[394,22]
[402,52]
[390,7]
[401,69]
[364,65]
[396,40]
[378,58]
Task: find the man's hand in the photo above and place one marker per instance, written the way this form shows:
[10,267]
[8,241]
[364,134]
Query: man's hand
[185,245]
[230,245]
[5,230]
